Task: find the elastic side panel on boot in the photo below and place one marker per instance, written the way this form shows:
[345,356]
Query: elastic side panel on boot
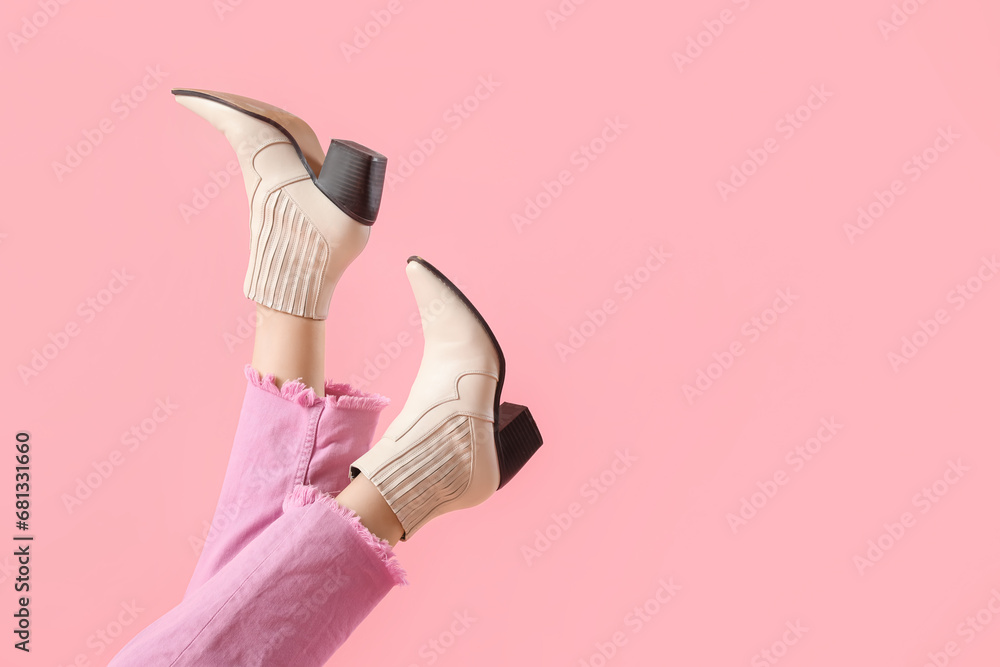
[432,472]
[352,177]
[518,439]
[287,259]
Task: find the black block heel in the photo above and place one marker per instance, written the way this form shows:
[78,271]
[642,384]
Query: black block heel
[352,177]
[517,439]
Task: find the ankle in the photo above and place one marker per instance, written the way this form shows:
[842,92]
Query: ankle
[290,347]
[362,498]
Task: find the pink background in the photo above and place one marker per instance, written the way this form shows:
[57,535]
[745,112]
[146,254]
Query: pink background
[174,331]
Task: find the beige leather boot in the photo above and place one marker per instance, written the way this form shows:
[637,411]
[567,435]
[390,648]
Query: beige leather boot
[454,443]
[310,213]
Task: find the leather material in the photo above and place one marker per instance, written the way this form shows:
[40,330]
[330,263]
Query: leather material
[439,454]
[300,242]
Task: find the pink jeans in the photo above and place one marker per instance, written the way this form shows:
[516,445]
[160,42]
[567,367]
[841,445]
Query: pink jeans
[286,573]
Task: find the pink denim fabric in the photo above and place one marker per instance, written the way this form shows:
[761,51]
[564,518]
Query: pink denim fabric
[285,437]
[292,596]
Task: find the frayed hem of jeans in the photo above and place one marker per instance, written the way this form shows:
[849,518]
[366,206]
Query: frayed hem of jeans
[303,495]
[337,394]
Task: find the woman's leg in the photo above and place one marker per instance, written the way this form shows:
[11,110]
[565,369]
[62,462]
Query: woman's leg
[293,428]
[288,591]
[363,498]
[290,432]
[291,597]
[295,592]
[285,437]
[290,347]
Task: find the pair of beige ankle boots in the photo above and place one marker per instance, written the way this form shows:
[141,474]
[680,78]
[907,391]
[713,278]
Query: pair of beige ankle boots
[454,443]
